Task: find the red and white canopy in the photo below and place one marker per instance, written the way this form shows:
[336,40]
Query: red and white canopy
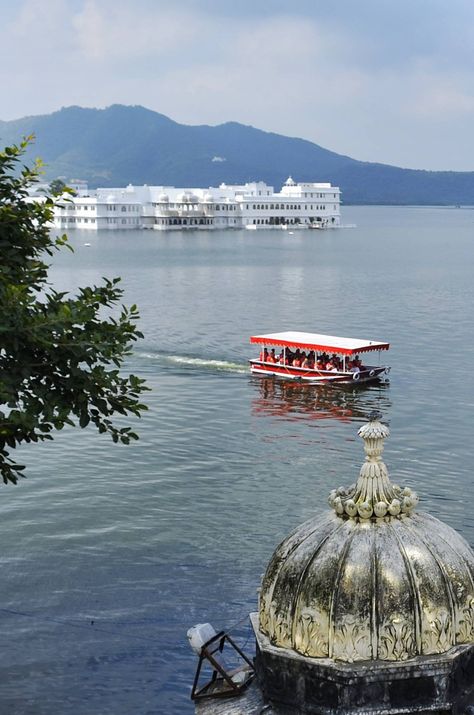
[319,343]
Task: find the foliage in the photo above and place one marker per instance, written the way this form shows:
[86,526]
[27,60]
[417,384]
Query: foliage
[59,357]
[57,186]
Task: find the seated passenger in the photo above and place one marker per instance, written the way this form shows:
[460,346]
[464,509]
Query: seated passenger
[263,357]
[305,362]
[271,357]
[297,361]
[352,366]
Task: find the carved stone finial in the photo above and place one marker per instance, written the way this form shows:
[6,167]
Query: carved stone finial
[373,496]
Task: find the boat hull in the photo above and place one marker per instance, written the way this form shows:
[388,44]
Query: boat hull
[323,377]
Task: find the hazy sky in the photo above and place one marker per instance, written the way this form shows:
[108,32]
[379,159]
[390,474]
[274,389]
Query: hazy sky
[379,80]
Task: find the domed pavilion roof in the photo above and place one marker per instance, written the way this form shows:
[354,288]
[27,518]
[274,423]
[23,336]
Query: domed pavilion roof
[373,579]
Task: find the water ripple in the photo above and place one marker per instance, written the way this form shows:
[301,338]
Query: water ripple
[110,553]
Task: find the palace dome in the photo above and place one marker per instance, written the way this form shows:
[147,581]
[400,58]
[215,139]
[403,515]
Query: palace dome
[163,198]
[373,579]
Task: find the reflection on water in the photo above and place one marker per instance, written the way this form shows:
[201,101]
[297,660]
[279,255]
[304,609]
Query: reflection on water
[288,400]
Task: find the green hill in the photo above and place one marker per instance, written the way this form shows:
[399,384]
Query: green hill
[121,145]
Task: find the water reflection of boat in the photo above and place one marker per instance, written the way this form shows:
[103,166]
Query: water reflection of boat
[291,400]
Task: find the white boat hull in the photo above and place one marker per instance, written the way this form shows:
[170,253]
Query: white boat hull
[315,377]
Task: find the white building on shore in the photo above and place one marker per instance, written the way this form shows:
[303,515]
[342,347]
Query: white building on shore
[254,205]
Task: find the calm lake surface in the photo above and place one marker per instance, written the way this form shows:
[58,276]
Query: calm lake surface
[109,553]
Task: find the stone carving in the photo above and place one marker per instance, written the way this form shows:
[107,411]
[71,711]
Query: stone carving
[311,634]
[436,635]
[277,626]
[266,608]
[465,633]
[352,640]
[374,496]
[396,640]
[372,581]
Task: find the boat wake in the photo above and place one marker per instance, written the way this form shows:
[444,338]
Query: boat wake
[194,362]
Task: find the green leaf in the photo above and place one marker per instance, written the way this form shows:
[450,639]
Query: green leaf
[61,355]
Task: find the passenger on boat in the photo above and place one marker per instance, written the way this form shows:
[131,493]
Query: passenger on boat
[271,357]
[263,357]
[305,362]
[297,361]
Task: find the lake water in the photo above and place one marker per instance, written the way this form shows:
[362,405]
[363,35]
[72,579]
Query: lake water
[109,553]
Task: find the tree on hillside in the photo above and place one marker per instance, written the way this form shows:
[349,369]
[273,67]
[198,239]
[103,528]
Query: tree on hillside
[59,356]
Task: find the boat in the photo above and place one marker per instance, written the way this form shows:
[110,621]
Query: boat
[317,359]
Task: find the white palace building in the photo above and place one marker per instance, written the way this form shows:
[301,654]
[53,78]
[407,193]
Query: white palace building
[254,205]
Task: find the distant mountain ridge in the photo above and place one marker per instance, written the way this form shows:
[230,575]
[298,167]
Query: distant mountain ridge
[130,144]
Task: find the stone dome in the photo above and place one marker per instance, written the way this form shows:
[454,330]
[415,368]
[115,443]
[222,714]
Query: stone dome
[371,580]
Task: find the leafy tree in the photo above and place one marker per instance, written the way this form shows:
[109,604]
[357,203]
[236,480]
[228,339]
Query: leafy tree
[57,186]
[59,356]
